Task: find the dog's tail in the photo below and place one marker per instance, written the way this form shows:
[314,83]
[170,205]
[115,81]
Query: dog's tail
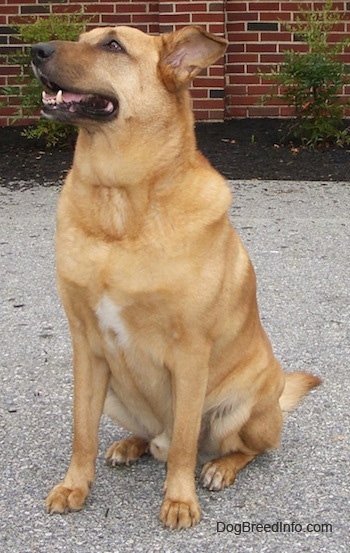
[297,385]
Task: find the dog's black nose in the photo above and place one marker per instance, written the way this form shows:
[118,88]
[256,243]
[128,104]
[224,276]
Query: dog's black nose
[41,52]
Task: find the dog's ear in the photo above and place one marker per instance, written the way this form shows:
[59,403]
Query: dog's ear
[186,52]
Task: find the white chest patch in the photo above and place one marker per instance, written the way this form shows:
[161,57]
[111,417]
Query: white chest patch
[109,318]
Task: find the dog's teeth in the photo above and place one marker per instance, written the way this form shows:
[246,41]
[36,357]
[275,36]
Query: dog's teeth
[59,97]
[47,100]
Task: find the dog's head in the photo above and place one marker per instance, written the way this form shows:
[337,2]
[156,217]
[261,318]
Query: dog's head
[120,72]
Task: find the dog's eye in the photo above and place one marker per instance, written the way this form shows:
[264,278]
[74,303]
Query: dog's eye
[114,45]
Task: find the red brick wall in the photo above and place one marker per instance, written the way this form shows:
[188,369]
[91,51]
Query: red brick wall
[231,88]
[257,42]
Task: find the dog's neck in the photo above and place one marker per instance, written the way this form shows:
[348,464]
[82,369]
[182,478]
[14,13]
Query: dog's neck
[136,152]
[115,185]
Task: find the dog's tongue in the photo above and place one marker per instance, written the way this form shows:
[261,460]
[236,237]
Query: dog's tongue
[68,97]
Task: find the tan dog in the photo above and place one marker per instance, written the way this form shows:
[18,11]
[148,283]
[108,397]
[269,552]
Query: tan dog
[157,286]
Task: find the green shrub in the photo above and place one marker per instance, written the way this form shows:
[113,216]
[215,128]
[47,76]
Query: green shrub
[66,26]
[311,82]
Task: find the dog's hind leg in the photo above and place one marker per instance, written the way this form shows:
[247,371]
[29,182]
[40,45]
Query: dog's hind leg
[260,433]
[127,451]
[221,472]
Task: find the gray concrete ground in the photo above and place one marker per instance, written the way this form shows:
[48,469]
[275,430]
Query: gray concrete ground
[298,238]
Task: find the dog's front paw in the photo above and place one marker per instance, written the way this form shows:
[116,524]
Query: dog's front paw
[180,514]
[63,500]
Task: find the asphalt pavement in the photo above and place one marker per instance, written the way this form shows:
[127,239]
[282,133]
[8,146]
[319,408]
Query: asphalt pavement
[295,499]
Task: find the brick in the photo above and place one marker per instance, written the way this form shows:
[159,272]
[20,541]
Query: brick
[10,69]
[286,111]
[258,90]
[289,6]
[153,7]
[248,100]
[335,37]
[247,37]
[217,71]
[7,30]
[293,46]
[275,37]
[237,27]
[9,50]
[116,19]
[209,82]
[19,2]
[261,47]
[268,16]
[262,111]
[64,8]
[216,7]
[8,111]
[34,9]
[129,8]
[203,18]
[264,6]
[262,26]
[271,58]
[242,16]
[234,69]
[194,7]
[234,6]
[9,10]
[256,67]
[244,79]
[237,112]
[236,90]
[217,28]
[165,8]
[235,47]
[282,17]
[216,115]
[100,8]
[207,104]
[200,92]
[216,93]
[176,18]
[202,115]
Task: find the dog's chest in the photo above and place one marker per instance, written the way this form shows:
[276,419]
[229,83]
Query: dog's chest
[111,323]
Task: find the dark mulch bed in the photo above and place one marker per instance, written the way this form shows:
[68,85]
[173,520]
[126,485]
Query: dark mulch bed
[240,149]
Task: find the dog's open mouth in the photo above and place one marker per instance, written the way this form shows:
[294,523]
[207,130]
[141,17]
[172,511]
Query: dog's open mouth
[66,105]
[89,105]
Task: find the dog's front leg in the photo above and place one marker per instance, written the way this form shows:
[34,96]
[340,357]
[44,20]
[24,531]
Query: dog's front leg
[189,372]
[91,377]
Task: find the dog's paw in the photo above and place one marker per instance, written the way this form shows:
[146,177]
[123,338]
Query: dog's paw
[179,514]
[63,500]
[217,476]
[126,452]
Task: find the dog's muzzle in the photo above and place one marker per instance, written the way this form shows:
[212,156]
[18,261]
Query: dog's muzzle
[65,104]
